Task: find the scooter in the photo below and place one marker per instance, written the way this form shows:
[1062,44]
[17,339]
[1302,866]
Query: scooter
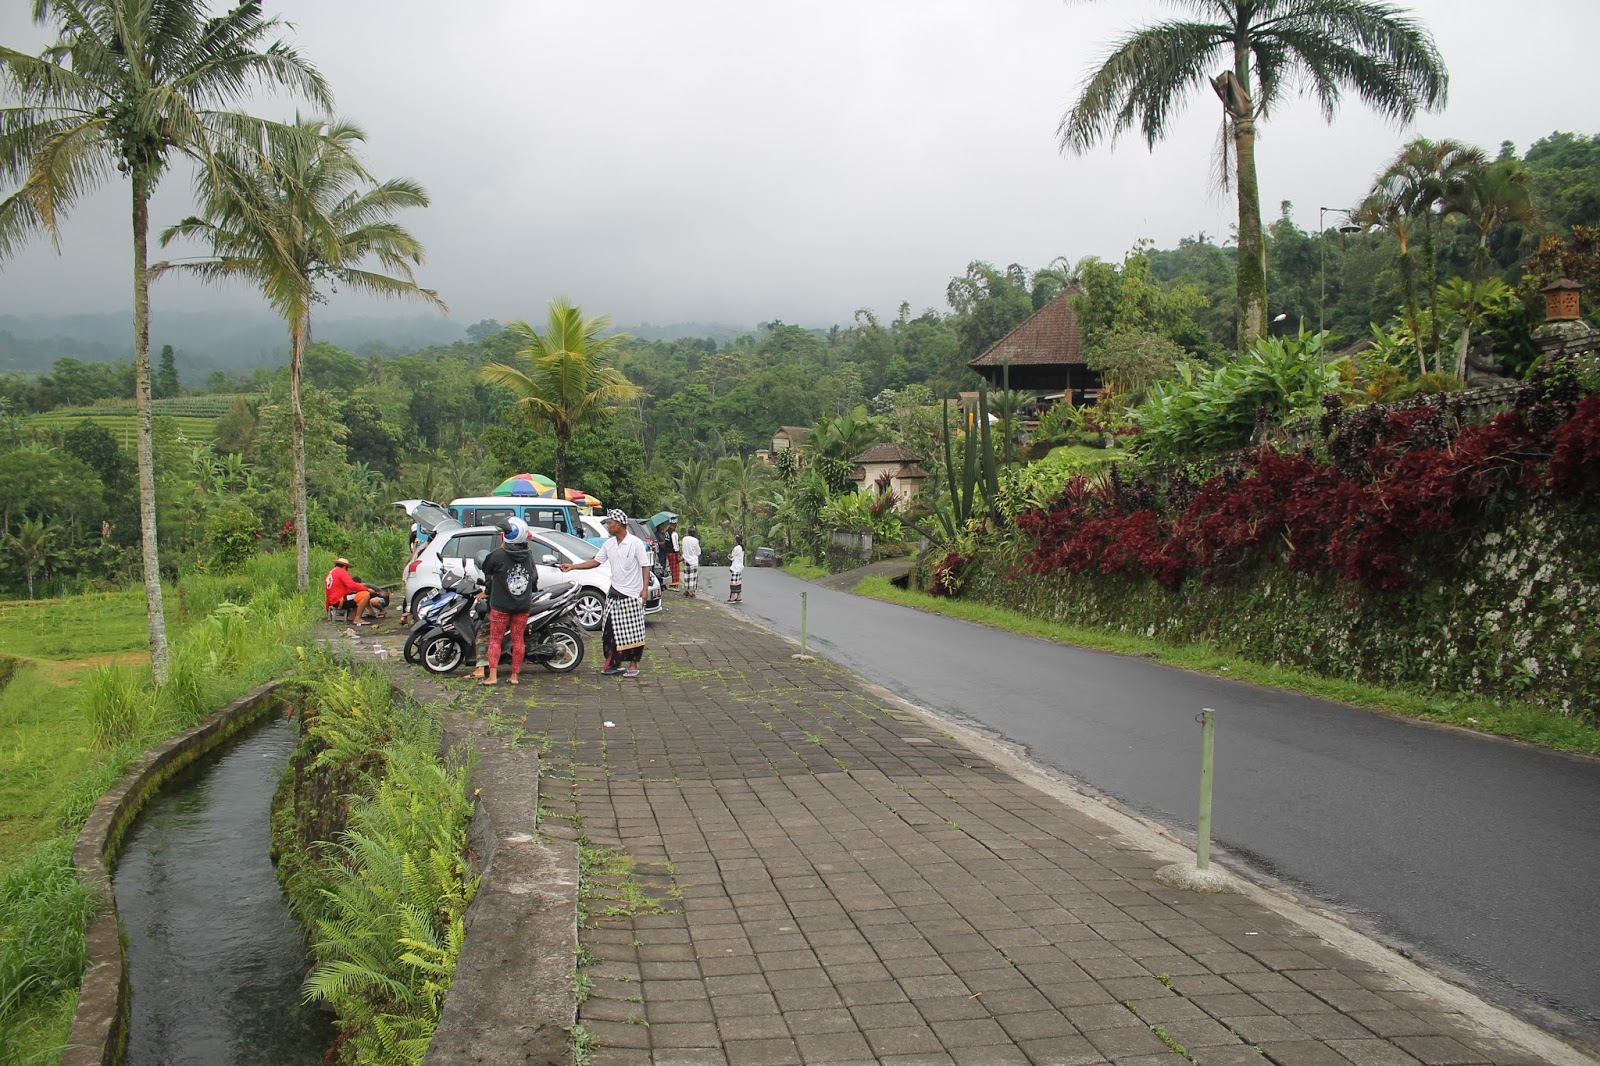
[548,641]
[454,596]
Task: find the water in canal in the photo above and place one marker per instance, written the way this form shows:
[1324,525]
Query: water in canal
[215,957]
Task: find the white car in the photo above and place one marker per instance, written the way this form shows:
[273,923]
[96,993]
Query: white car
[455,547]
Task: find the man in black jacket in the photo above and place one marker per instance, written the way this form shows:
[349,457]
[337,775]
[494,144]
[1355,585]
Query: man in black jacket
[512,580]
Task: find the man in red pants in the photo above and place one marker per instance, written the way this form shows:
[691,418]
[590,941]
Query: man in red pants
[674,551]
[512,580]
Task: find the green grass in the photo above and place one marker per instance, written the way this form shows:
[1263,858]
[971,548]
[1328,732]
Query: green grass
[803,570]
[1519,721]
[75,628]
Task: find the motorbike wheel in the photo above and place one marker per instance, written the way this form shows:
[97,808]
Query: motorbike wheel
[441,654]
[414,643]
[589,609]
[568,645]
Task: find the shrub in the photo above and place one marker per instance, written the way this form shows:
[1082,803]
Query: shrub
[231,535]
[1217,409]
[1393,478]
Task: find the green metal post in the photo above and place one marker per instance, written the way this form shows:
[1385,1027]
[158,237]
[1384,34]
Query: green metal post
[1208,741]
[802,623]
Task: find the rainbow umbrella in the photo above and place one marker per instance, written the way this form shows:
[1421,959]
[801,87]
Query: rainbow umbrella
[526,485]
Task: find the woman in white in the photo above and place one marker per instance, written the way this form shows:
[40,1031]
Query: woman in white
[736,571]
[691,563]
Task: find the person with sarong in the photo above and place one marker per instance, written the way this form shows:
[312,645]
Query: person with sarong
[691,563]
[622,634]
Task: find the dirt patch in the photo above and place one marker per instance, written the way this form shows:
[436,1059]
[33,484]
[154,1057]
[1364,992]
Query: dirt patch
[66,672]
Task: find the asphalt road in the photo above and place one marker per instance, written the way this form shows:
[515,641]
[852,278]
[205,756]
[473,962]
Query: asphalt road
[1479,856]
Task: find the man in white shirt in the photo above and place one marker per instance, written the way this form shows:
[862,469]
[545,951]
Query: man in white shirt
[622,635]
[691,563]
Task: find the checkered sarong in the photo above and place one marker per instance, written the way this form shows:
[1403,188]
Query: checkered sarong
[625,622]
[691,576]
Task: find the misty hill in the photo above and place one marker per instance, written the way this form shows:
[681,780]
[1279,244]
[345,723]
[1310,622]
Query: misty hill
[240,340]
[206,340]
[720,332]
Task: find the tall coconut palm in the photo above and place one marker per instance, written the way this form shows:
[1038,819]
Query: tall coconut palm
[562,377]
[1267,49]
[127,86]
[1425,179]
[304,218]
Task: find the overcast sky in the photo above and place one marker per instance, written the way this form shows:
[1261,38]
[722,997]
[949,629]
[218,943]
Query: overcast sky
[749,160]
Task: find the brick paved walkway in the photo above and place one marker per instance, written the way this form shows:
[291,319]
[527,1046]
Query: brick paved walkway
[842,882]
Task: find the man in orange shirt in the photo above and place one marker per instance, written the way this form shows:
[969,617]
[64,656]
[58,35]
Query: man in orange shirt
[346,591]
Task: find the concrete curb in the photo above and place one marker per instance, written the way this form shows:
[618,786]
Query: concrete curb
[511,1000]
[99,1028]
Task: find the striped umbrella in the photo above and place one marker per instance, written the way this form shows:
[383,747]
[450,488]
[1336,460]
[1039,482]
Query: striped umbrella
[526,485]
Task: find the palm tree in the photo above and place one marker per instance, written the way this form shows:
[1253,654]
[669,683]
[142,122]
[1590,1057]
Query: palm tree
[693,490]
[31,542]
[1426,178]
[303,219]
[739,481]
[562,378]
[1380,212]
[1268,48]
[128,85]
[1489,197]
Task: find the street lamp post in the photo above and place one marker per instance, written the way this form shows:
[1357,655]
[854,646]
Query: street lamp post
[1322,254]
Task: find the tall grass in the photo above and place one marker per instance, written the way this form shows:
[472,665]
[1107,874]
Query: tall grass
[44,913]
[119,705]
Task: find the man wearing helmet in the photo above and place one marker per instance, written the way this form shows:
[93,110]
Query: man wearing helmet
[512,580]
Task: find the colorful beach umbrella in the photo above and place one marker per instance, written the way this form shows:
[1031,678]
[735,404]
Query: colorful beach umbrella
[526,485]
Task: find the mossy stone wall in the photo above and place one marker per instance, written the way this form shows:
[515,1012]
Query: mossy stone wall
[1507,609]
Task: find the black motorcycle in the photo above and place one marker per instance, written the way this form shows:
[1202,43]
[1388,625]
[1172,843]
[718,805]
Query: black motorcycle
[436,611]
[548,640]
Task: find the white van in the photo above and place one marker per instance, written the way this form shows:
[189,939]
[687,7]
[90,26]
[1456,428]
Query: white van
[538,512]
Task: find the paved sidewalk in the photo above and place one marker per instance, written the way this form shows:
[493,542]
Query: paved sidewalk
[840,881]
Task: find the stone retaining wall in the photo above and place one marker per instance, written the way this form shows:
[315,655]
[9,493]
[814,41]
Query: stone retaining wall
[99,1029]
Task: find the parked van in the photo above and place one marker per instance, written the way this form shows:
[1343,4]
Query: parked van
[538,512]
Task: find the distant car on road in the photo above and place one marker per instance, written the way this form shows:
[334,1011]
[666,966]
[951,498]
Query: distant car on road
[766,557]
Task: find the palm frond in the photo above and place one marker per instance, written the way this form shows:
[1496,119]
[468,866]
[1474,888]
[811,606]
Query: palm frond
[1141,82]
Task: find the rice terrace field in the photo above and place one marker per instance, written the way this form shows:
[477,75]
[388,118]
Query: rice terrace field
[196,416]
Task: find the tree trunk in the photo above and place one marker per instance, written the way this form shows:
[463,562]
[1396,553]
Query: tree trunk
[302,535]
[1252,271]
[1430,280]
[561,465]
[150,555]
[1408,284]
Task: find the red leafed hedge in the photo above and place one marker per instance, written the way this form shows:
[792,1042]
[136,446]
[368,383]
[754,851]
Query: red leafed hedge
[1390,478]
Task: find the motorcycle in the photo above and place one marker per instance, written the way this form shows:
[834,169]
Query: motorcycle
[457,594]
[548,640]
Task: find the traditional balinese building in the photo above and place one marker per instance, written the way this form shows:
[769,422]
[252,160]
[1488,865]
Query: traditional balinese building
[896,465]
[790,438]
[1043,355]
